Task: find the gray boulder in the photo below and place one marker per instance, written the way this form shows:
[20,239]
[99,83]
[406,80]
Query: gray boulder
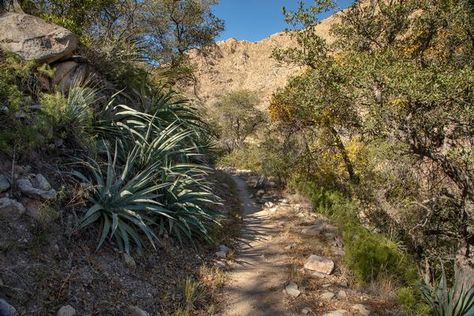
[32,38]
[37,187]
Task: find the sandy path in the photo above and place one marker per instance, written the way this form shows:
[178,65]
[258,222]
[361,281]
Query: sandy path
[261,267]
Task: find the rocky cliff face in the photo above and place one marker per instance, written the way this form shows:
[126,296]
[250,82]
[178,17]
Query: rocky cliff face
[235,65]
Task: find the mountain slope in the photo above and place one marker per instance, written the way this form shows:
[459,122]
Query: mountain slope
[235,65]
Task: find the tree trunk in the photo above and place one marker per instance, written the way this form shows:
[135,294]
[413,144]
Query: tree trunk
[347,161]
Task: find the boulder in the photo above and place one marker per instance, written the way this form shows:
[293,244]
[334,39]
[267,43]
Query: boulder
[6,309]
[36,186]
[66,310]
[11,209]
[319,264]
[68,73]
[4,183]
[32,38]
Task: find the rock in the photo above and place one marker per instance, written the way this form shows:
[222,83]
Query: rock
[327,296]
[42,183]
[339,312]
[319,275]
[35,186]
[224,248]
[31,38]
[260,192]
[319,264]
[4,183]
[269,204]
[307,311]
[361,310]
[136,311]
[11,209]
[129,261]
[292,290]
[66,310]
[342,294]
[221,254]
[69,73]
[6,309]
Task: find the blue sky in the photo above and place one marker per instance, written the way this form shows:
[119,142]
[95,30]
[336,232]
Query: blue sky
[254,20]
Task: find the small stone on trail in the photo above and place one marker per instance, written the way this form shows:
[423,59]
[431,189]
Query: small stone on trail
[269,204]
[66,310]
[129,261]
[361,309]
[292,290]
[342,294]
[223,251]
[319,264]
[327,296]
[326,285]
[307,311]
[6,309]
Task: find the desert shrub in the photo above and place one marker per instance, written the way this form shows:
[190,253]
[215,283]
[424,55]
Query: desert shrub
[368,254]
[410,300]
[70,116]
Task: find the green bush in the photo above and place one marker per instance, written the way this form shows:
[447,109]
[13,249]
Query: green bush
[367,254]
[409,299]
[154,182]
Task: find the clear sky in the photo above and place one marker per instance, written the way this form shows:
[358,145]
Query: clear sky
[253,20]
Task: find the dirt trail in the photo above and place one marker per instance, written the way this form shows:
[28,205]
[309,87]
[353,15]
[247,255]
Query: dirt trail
[279,234]
[261,267]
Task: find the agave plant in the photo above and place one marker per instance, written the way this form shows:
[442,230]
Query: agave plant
[124,202]
[445,301]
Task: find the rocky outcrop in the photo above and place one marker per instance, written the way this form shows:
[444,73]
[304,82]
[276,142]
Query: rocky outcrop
[32,38]
[235,65]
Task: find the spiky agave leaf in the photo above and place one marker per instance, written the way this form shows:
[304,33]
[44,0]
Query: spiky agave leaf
[124,202]
[445,301]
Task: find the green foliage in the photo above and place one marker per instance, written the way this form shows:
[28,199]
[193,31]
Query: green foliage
[455,301]
[155,181]
[409,299]
[70,116]
[236,118]
[368,254]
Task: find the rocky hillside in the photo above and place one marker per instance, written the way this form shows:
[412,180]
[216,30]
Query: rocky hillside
[234,65]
